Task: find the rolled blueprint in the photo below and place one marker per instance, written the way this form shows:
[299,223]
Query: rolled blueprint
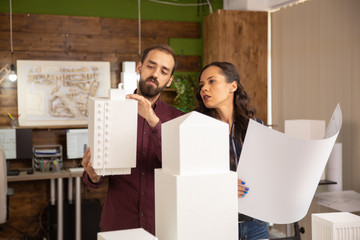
[283,172]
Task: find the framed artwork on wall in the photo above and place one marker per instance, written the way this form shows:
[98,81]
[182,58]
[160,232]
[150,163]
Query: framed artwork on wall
[53,93]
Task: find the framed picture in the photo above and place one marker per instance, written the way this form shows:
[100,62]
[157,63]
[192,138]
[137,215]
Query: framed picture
[53,93]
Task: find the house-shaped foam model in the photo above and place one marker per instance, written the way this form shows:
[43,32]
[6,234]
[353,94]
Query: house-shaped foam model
[195,144]
[195,192]
[112,132]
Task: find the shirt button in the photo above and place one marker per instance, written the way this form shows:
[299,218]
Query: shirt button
[142,173]
[142,193]
[142,214]
[143,153]
[144,133]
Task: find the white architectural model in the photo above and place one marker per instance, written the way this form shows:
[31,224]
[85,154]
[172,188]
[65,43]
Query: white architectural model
[129,234]
[335,226]
[112,132]
[195,192]
[306,129]
[129,77]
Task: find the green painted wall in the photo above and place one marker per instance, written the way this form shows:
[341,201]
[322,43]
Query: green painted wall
[114,8]
[186,46]
[123,9]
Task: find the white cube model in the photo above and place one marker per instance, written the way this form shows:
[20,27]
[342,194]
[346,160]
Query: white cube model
[196,206]
[305,129]
[195,191]
[130,234]
[129,66]
[112,132]
[335,226]
[129,77]
[195,144]
[130,81]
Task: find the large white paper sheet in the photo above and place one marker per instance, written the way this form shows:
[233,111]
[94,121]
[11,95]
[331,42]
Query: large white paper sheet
[282,172]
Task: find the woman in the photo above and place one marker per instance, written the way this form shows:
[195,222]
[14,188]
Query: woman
[221,96]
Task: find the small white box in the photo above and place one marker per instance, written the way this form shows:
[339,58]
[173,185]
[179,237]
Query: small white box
[335,226]
[195,144]
[130,81]
[196,207]
[129,234]
[128,66]
[112,133]
[305,129]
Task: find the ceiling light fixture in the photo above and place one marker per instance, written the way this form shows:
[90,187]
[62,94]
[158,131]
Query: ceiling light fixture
[12,75]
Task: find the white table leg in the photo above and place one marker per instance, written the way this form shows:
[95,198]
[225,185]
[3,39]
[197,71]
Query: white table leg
[78,208]
[52,191]
[60,210]
[70,190]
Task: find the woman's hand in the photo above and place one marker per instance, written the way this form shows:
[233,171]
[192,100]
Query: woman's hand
[88,167]
[242,189]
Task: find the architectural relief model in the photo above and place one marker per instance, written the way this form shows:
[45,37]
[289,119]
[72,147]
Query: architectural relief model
[60,90]
[70,89]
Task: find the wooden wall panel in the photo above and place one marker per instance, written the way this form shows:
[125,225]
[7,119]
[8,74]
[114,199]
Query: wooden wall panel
[95,25]
[48,37]
[70,38]
[240,37]
[26,205]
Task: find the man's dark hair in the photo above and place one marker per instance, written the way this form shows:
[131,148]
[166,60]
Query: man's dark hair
[163,48]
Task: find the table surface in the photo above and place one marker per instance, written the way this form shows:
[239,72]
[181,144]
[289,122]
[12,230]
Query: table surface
[326,182]
[76,172]
[66,173]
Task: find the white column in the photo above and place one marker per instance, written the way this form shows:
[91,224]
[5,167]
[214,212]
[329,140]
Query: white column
[70,189]
[52,191]
[60,210]
[78,209]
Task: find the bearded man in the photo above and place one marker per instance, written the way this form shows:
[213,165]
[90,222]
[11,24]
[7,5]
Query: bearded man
[130,200]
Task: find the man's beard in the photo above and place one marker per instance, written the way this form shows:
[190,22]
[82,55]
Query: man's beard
[149,90]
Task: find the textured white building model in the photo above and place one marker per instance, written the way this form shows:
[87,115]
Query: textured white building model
[335,226]
[195,192]
[129,77]
[112,132]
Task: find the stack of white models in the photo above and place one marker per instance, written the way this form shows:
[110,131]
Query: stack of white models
[195,192]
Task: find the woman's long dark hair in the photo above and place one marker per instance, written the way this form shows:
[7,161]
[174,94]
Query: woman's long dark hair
[243,111]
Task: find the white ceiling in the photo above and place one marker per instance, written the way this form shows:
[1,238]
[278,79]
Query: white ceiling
[258,5]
